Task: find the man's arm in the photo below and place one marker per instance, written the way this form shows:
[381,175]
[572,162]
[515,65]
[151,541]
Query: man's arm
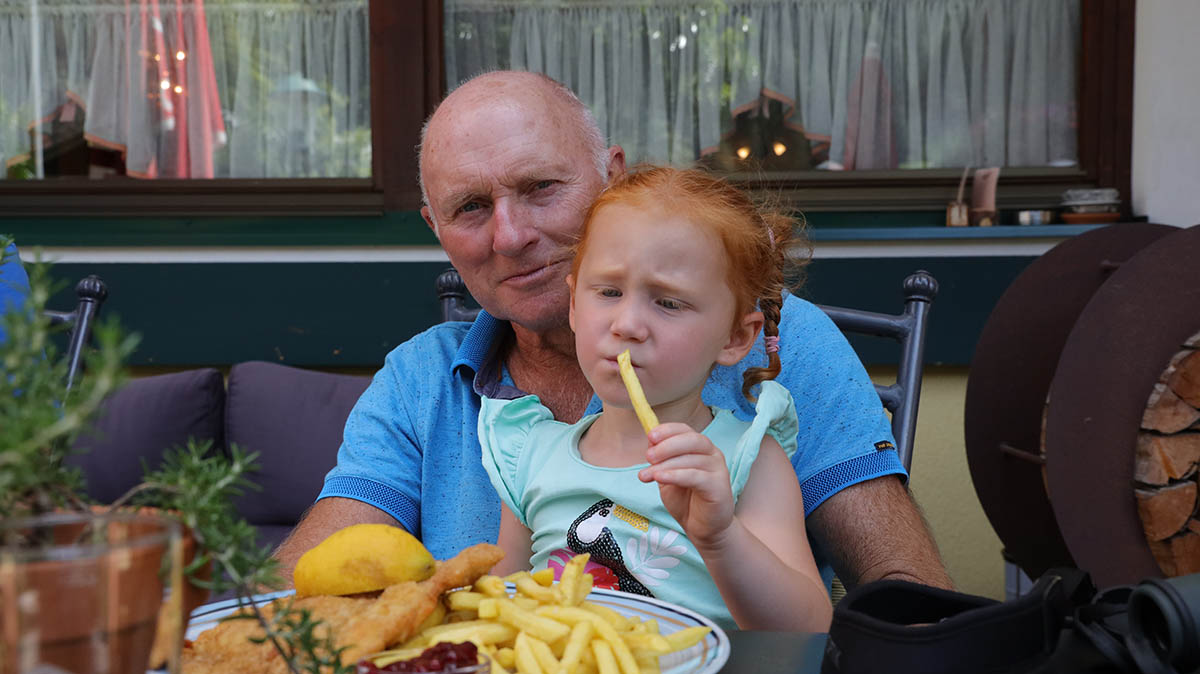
[873,530]
[322,519]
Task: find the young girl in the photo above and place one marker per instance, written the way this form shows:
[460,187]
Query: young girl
[681,269]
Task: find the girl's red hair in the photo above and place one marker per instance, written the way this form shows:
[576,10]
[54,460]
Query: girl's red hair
[757,238]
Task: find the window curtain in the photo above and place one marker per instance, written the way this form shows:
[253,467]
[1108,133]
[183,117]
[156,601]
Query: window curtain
[885,83]
[191,88]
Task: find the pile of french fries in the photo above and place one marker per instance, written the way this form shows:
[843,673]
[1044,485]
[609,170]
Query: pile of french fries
[546,627]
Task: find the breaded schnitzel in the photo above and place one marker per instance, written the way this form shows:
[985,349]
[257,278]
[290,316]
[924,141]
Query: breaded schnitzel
[362,625]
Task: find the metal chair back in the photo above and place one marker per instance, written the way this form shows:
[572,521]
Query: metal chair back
[901,398]
[91,292]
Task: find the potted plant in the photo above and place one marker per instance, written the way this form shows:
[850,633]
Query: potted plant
[81,583]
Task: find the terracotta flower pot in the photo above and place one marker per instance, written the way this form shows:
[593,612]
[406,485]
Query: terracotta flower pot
[83,592]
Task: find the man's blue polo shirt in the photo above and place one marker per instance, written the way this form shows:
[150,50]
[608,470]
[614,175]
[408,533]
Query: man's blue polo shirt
[411,449]
[14,286]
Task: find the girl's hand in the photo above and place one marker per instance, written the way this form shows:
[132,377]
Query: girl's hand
[693,481]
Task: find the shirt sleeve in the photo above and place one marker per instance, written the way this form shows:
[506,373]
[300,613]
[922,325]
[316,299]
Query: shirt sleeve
[775,415]
[844,435]
[379,461]
[14,286]
[505,428]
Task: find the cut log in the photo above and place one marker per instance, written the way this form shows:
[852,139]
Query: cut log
[1149,466]
[1166,510]
[1185,380]
[1178,454]
[1167,412]
[1182,453]
[1164,557]
[1194,525]
[1185,552]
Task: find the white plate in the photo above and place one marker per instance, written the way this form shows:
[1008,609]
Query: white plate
[706,657]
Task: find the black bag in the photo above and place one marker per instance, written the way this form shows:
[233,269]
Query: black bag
[1061,625]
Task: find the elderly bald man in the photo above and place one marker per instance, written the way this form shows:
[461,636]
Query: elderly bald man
[509,163]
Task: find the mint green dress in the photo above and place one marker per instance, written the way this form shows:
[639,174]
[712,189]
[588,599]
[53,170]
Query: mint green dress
[572,506]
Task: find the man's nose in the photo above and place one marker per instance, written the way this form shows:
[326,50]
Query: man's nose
[512,230]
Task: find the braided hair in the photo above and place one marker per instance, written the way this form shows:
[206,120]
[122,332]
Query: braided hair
[765,246]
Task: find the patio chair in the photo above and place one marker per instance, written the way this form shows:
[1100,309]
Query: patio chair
[91,292]
[908,328]
[452,293]
[901,398]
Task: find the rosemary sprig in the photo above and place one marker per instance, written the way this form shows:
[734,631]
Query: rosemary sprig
[300,639]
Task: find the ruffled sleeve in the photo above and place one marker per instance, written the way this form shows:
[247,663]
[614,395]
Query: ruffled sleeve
[504,430]
[774,415]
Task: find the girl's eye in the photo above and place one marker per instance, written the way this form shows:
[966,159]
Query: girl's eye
[668,303]
[610,292]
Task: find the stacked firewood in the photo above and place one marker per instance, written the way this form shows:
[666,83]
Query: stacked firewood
[1168,464]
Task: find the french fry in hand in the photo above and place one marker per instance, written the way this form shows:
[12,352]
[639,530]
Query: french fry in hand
[640,407]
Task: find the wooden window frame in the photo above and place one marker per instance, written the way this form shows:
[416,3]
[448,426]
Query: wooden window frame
[406,83]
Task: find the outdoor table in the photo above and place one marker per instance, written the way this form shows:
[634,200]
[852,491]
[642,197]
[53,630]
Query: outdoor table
[760,652]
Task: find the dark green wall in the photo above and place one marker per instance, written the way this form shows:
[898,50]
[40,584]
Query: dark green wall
[968,289]
[352,314]
[401,228]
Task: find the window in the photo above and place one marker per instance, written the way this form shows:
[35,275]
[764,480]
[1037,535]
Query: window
[277,104]
[864,105]
[798,84]
[409,66]
[184,89]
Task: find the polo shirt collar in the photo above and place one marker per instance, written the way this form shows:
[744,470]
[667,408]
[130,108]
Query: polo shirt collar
[477,345]
[479,352]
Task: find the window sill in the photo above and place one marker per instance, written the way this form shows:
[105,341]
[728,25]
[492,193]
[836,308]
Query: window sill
[79,198]
[939,242]
[1001,232]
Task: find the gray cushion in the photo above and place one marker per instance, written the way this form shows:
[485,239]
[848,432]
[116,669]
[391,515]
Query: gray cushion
[143,419]
[294,419]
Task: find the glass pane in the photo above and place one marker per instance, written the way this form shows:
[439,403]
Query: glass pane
[184,89]
[786,85]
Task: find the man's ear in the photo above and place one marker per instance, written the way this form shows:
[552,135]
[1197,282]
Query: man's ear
[616,162]
[571,307]
[741,339]
[428,217]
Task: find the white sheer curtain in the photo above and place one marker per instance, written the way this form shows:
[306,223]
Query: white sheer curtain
[191,88]
[885,83]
